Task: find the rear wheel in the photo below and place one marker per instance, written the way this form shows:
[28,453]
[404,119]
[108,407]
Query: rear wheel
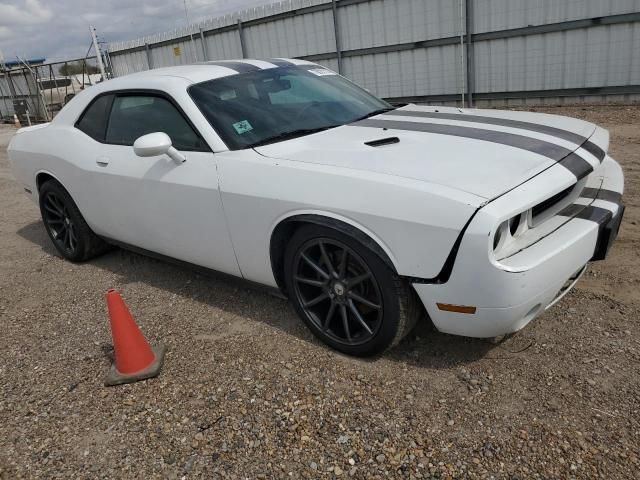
[345,293]
[65,225]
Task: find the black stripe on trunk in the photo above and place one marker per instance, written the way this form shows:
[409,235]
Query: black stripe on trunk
[240,67]
[574,163]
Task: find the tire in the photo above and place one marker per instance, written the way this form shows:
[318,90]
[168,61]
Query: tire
[65,225]
[323,284]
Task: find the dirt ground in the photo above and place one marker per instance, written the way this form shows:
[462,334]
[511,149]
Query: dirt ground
[247,392]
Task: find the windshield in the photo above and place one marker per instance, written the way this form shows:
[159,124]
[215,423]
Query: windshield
[271,105]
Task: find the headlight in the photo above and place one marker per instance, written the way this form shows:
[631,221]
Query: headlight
[509,231]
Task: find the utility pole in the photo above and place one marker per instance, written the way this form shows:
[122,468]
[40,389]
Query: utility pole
[193,45]
[96,47]
[463,72]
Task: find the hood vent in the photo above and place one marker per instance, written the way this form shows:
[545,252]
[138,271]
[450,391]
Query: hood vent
[383,141]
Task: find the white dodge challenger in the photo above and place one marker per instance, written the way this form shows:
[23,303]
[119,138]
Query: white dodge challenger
[366,216]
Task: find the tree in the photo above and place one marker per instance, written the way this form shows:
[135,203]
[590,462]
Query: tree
[75,68]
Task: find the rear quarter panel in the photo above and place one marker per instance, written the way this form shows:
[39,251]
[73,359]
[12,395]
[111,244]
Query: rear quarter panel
[62,152]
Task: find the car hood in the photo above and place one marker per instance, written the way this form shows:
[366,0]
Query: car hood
[483,152]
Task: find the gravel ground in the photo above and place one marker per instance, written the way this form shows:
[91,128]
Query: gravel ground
[247,392]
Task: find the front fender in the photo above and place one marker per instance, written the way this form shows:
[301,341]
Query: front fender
[414,223]
[342,223]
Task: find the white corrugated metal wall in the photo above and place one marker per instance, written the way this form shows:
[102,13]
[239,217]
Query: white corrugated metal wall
[595,56]
[521,50]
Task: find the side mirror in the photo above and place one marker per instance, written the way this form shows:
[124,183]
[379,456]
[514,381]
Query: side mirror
[154,144]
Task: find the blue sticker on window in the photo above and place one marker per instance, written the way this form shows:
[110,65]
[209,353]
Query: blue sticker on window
[242,126]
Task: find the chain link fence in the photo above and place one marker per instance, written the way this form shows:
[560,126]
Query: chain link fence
[36,92]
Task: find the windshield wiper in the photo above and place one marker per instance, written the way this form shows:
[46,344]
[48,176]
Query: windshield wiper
[289,135]
[375,112]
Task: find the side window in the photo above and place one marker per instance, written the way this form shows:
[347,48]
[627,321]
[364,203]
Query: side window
[135,115]
[94,119]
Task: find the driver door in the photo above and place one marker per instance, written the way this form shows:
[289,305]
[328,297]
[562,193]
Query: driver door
[154,203]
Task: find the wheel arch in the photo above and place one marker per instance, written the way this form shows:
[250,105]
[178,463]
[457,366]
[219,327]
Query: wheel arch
[43,176]
[286,227]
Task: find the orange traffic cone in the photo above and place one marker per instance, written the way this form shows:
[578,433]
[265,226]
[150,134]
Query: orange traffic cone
[134,358]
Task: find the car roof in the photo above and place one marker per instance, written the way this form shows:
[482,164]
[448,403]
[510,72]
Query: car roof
[171,80]
[202,71]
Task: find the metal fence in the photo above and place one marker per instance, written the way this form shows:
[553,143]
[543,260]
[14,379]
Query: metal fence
[37,92]
[427,50]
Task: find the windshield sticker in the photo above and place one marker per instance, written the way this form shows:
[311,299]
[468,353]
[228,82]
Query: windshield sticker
[321,72]
[242,126]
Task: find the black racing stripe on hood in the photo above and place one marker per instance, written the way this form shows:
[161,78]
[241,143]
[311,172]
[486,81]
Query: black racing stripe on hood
[574,163]
[573,137]
[503,122]
[240,67]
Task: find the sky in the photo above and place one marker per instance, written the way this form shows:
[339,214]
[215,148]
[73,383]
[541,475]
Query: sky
[59,29]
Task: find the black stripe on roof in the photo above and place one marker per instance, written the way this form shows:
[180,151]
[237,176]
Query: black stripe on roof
[281,62]
[574,163]
[311,66]
[240,67]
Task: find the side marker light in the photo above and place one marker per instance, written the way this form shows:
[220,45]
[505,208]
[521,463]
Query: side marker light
[446,307]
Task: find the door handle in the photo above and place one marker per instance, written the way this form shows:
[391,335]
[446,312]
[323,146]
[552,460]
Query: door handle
[102,161]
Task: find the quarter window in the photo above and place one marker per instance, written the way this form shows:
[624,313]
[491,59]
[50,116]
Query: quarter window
[94,119]
[133,116]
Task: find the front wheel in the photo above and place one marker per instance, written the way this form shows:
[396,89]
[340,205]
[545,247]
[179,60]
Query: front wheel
[345,293]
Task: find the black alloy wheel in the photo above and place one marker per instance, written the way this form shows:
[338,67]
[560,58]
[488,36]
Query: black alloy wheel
[345,293]
[59,223]
[338,291]
[66,226]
